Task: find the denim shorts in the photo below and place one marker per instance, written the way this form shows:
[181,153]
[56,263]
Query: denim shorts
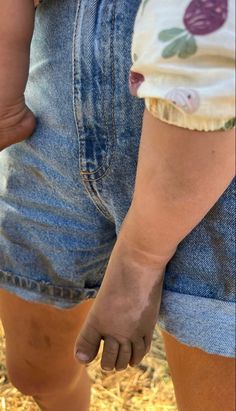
[66,190]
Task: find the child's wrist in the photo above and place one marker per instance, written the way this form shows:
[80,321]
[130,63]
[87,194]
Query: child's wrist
[143,239]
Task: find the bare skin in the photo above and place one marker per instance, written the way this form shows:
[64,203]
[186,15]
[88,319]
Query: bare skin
[17,122]
[39,352]
[202,381]
[125,311]
[171,197]
[127,258]
[173,192]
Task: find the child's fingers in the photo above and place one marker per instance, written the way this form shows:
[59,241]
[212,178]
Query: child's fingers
[138,351]
[110,353]
[124,356]
[87,344]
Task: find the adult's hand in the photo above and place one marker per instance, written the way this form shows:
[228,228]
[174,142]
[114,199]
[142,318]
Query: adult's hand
[17,123]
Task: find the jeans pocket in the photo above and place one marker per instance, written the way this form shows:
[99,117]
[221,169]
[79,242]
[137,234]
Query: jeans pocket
[93,80]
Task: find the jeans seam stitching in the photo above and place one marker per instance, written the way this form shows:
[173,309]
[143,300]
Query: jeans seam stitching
[44,287]
[74,88]
[107,162]
[114,137]
[97,203]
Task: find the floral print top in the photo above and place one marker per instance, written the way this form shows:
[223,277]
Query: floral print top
[184,62]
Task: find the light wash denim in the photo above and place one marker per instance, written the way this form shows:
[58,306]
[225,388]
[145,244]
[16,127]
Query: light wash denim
[65,191]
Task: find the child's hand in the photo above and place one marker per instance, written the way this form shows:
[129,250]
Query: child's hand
[17,123]
[126,308]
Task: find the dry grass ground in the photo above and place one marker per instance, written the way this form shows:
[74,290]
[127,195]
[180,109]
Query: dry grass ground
[147,387]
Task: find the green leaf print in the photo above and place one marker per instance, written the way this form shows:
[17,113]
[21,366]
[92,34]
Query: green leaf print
[188,48]
[170,34]
[174,47]
[229,124]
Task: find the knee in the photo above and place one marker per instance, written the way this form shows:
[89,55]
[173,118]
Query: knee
[28,382]
[32,381]
[25,382]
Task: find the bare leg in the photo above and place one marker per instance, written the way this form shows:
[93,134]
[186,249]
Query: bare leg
[202,382]
[40,352]
[74,398]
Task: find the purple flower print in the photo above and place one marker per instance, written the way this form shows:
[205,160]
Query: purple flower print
[201,17]
[205,16]
[135,81]
[186,99]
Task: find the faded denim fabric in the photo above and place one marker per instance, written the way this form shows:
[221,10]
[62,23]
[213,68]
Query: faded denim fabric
[65,191]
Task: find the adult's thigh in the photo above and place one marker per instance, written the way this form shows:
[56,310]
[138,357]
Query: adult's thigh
[202,381]
[40,343]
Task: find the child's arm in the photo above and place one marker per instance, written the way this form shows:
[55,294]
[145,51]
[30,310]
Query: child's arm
[184,68]
[16,28]
[180,176]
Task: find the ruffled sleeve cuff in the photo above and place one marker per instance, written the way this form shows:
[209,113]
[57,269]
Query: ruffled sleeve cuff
[186,71]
